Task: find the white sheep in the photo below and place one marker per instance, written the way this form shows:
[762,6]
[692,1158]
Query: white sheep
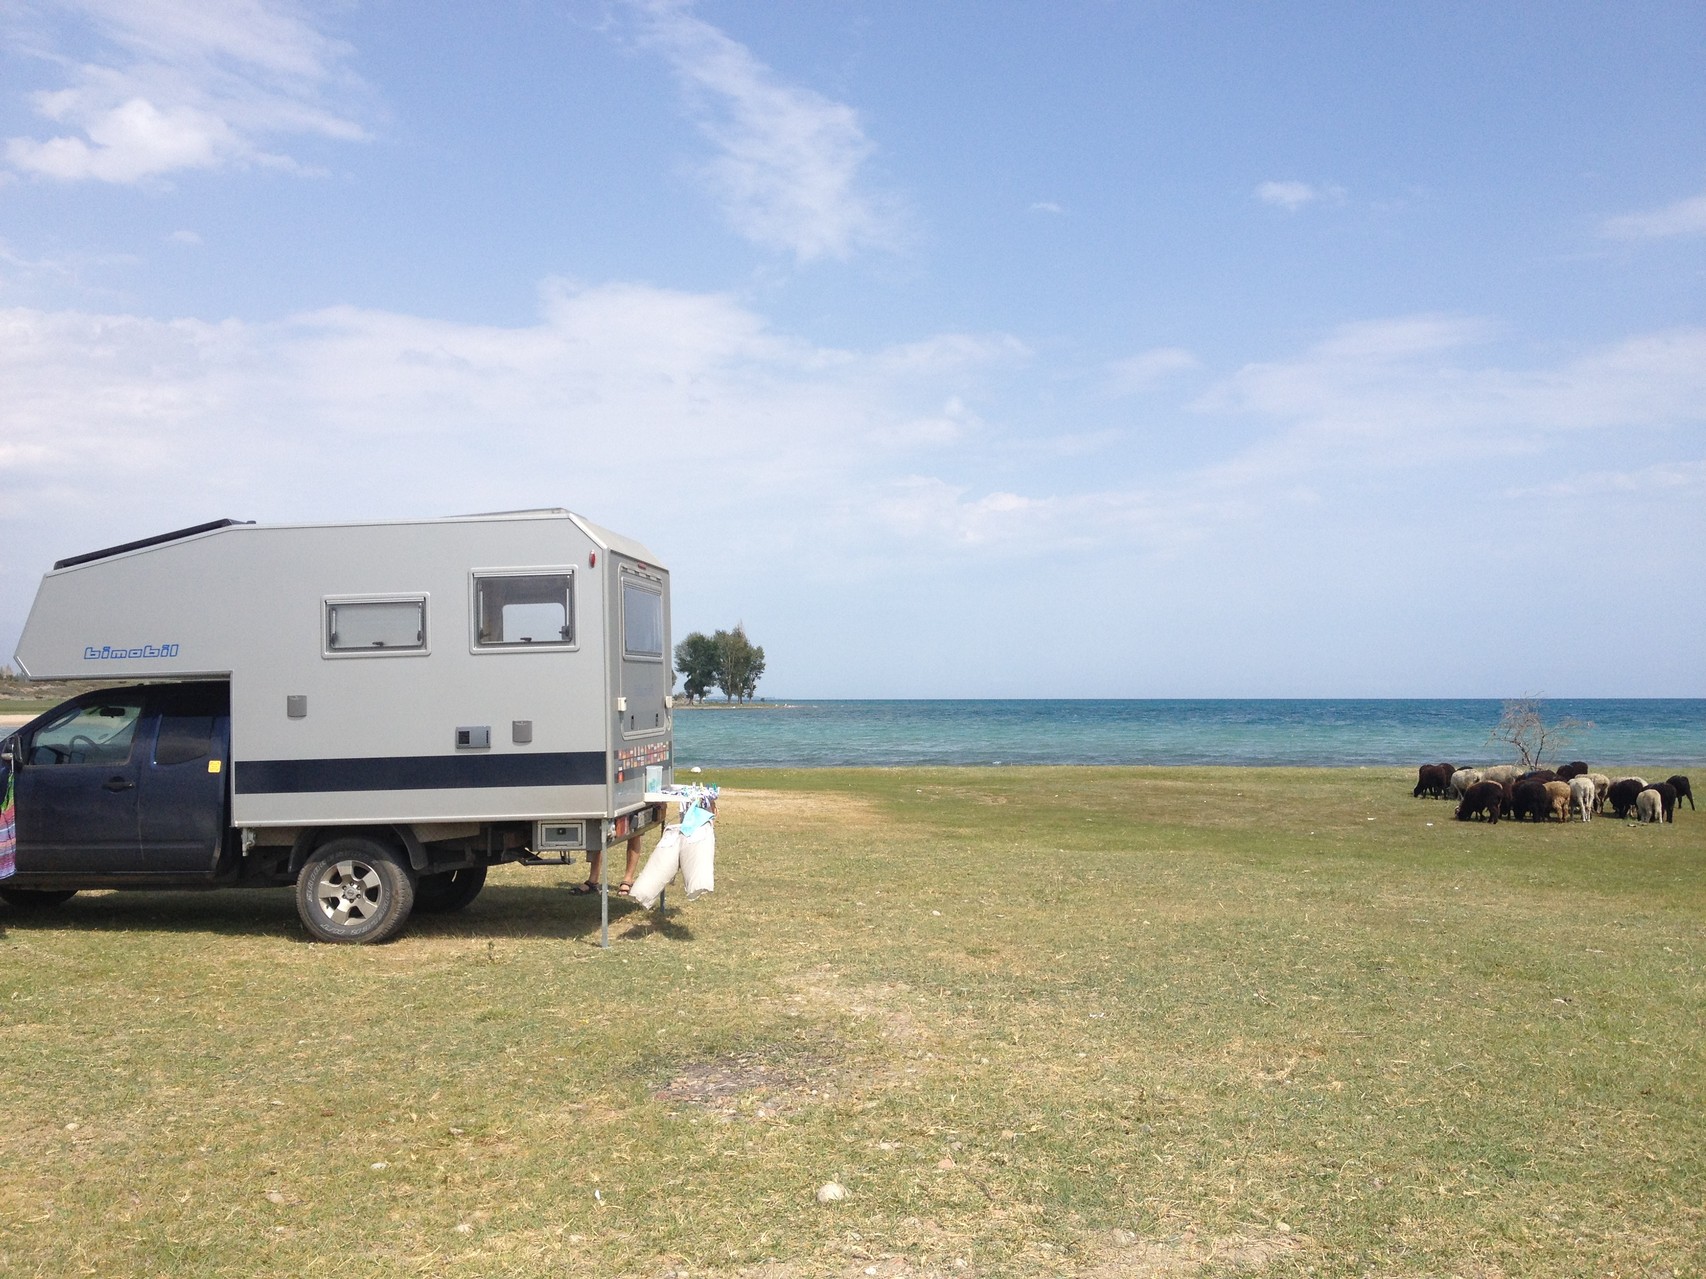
[1649,807]
[1501,773]
[1601,787]
[1462,780]
[1583,796]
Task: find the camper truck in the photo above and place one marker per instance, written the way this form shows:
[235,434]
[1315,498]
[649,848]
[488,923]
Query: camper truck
[375,713]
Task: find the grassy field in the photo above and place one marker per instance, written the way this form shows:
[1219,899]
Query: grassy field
[20,701]
[1097,1022]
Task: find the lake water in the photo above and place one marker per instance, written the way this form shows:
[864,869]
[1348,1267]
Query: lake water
[1661,734]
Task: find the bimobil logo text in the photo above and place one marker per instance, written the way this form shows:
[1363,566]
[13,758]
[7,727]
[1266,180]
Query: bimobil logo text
[107,652]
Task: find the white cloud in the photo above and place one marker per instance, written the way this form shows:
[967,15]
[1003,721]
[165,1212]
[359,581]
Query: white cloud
[1146,369]
[1392,380]
[789,167]
[1381,341]
[1046,206]
[1659,478]
[923,508]
[1685,217]
[132,140]
[112,421]
[179,85]
[759,443]
[1293,195]
[689,420]
[22,277]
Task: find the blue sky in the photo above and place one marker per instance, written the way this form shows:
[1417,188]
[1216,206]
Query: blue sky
[1080,349]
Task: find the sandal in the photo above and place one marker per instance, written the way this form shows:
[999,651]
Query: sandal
[625,888]
[585,889]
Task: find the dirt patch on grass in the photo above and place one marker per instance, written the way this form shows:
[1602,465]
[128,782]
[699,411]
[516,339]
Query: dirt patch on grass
[1127,1255]
[753,1085]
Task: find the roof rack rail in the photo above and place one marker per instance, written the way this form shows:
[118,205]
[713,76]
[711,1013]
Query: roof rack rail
[173,536]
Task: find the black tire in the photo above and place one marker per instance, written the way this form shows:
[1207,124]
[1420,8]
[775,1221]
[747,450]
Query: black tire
[449,890]
[36,898]
[354,890]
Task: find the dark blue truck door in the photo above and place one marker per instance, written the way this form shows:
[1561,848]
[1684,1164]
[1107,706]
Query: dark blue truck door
[182,780]
[76,792]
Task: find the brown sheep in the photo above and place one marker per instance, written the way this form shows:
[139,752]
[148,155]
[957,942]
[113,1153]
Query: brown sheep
[1432,780]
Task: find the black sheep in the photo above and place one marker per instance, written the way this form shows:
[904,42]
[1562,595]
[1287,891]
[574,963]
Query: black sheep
[1683,789]
[1529,799]
[1538,775]
[1622,794]
[1575,768]
[1667,799]
[1482,797]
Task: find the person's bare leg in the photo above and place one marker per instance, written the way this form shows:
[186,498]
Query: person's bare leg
[594,871]
[633,867]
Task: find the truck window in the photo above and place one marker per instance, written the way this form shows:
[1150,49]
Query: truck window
[642,620]
[93,733]
[516,610]
[183,738]
[375,626]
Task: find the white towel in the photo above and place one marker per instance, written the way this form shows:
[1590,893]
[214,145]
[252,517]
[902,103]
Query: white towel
[660,868]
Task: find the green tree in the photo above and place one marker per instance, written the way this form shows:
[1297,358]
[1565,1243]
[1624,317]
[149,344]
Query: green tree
[740,663]
[696,658]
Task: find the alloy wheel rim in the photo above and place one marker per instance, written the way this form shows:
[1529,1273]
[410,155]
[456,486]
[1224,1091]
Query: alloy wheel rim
[349,892]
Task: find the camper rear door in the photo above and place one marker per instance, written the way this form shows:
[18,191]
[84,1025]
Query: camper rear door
[644,663]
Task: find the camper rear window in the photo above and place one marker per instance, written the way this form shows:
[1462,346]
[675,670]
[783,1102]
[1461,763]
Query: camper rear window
[375,626]
[642,620]
[524,610]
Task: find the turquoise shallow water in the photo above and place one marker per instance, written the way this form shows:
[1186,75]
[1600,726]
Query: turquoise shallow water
[1663,734]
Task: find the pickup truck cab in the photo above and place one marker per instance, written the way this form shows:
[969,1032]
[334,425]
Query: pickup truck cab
[127,786]
[130,788]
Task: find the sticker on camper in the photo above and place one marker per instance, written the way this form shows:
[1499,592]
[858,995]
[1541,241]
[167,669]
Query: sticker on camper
[214,765]
[108,653]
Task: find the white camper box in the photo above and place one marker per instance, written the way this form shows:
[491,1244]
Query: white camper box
[496,684]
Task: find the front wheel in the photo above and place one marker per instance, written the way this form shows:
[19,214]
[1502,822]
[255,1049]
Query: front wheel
[449,890]
[35,898]
[354,890]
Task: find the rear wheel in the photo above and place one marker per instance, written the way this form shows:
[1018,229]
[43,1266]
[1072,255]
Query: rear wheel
[449,890]
[354,890]
[36,898]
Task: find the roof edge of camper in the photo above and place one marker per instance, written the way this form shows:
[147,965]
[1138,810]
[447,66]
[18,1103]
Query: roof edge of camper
[137,545]
[520,510]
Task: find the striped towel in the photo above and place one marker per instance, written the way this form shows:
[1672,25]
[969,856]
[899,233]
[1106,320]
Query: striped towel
[8,833]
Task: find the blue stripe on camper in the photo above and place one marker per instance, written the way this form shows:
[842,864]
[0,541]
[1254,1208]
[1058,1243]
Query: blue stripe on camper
[420,772]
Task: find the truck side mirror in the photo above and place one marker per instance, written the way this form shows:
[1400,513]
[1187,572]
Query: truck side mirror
[9,753]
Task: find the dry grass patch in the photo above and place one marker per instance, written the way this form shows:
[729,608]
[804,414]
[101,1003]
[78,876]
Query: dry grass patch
[754,1086]
[1127,1255]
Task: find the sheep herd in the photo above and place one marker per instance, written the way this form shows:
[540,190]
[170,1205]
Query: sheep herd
[1543,793]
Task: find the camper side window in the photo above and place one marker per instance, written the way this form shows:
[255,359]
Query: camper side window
[524,610]
[376,626]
